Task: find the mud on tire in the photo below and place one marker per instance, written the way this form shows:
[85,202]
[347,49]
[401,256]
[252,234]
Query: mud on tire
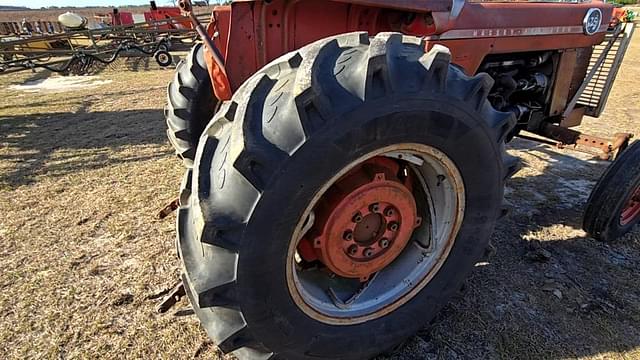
[286,132]
[190,104]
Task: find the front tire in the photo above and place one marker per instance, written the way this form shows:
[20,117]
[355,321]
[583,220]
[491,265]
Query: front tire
[284,136]
[613,209]
[191,104]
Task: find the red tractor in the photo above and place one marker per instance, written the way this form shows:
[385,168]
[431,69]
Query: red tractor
[346,158]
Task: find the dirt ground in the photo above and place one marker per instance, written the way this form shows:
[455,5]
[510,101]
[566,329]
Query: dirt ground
[84,260]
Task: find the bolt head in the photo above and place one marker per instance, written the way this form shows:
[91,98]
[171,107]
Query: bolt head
[383,243]
[353,249]
[389,211]
[394,226]
[368,252]
[374,208]
[357,218]
[348,235]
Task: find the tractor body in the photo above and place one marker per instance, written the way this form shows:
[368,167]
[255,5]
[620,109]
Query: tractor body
[538,53]
[346,160]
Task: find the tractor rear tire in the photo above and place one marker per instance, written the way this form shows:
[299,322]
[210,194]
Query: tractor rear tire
[289,130]
[191,104]
[605,218]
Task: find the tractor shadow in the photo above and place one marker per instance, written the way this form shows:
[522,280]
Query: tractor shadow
[57,144]
[547,290]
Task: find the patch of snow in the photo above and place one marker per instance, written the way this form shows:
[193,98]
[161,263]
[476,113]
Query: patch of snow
[60,84]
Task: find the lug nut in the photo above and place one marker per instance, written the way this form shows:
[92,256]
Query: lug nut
[394,226]
[348,235]
[389,211]
[357,218]
[368,252]
[374,208]
[353,249]
[384,243]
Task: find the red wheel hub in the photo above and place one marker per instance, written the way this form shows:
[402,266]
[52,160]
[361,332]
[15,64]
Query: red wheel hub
[364,221]
[631,210]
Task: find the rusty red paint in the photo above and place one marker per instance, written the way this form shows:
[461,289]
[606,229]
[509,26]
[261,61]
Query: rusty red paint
[631,210]
[252,33]
[364,221]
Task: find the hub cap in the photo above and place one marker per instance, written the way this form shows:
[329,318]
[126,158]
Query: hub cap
[375,234]
[631,210]
[364,221]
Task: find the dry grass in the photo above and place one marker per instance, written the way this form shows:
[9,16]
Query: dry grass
[83,173]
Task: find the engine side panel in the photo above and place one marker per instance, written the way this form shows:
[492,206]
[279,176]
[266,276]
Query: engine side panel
[260,32]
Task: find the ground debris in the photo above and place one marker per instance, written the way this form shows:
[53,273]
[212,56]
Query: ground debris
[84,220]
[123,299]
[204,346]
[538,254]
[83,259]
[172,298]
[557,293]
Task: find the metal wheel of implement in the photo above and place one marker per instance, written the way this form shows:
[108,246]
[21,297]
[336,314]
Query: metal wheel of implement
[613,208]
[163,58]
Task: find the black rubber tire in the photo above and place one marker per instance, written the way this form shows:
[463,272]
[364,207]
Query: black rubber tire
[163,58]
[286,132]
[191,104]
[608,198]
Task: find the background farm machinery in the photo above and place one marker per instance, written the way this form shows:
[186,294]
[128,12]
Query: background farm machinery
[70,47]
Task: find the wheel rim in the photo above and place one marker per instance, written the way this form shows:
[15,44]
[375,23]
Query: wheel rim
[346,269]
[631,209]
[163,58]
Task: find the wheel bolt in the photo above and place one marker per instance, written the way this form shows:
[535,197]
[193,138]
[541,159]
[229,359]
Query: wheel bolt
[348,235]
[374,208]
[353,249]
[389,211]
[368,252]
[384,243]
[357,218]
[394,226]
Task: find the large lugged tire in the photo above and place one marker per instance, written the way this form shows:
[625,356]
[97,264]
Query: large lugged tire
[190,104]
[613,208]
[288,133]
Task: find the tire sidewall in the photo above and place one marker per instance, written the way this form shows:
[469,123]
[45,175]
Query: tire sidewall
[615,228]
[610,195]
[265,299]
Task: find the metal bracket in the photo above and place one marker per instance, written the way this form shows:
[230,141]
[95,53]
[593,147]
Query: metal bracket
[169,301]
[605,149]
[167,210]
